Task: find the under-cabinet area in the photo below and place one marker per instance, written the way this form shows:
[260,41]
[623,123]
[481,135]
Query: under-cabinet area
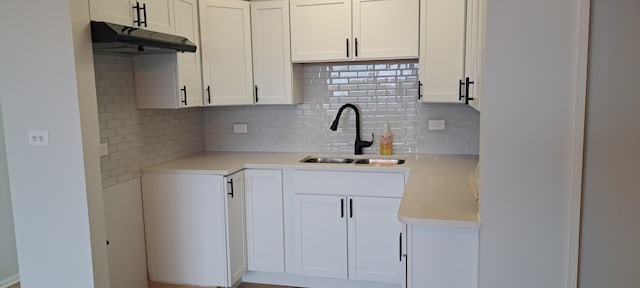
[219,218]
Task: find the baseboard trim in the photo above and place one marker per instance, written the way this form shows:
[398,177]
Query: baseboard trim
[8,282]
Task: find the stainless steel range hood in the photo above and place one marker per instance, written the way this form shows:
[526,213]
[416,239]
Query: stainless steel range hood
[114,38]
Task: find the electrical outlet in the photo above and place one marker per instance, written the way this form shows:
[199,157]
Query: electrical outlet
[38,138]
[103,149]
[436,125]
[240,129]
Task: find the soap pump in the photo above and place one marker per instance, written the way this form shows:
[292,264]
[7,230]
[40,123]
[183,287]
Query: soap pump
[386,141]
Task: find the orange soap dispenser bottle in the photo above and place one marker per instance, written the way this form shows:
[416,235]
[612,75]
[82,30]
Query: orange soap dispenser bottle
[386,141]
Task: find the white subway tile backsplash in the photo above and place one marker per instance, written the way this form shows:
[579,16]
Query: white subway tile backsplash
[138,138]
[385,91]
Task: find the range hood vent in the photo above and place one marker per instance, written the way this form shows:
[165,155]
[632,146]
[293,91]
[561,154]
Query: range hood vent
[119,39]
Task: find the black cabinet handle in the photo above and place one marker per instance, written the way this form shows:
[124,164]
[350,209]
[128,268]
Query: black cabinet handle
[419,90]
[144,9]
[350,208]
[231,183]
[139,21]
[356,47]
[184,101]
[256,86]
[137,7]
[460,85]
[400,253]
[347,47]
[466,94]
[342,208]
[208,94]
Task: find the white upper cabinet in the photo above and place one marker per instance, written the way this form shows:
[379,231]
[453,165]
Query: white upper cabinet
[276,79]
[169,81]
[159,15]
[474,50]
[320,30]
[442,39]
[384,29]
[189,66]
[225,30]
[114,11]
[156,15]
[358,30]
[451,51]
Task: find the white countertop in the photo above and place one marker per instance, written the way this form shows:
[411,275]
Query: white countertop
[438,191]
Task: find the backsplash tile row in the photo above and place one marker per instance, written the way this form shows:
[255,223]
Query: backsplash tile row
[385,92]
[138,138]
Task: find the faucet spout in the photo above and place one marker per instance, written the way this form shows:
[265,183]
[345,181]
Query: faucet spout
[359,144]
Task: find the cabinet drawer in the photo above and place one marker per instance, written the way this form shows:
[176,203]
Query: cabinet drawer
[348,183]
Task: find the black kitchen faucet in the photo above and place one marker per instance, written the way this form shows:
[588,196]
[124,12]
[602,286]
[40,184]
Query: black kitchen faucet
[359,143]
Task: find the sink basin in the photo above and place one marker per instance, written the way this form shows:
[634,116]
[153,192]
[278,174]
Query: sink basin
[312,159]
[341,160]
[381,161]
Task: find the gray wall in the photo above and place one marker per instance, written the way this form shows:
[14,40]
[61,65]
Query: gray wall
[138,138]
[527,142]
[46,87]
[8,257]
[610,256]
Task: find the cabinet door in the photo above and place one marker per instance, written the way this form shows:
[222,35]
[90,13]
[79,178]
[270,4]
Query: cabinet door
[265,227]
[225,31]
[114,11]
[442,43]
[237,240]
[321,30]
[374,232]
[473,49]
[272,68]
[442,257]
[386,29]
[189,75]
[320,235]
[159,15]
[184,218]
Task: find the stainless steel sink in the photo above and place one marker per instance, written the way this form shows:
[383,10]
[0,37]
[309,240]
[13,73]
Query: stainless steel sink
[341,160]
[381,161]
[338,160]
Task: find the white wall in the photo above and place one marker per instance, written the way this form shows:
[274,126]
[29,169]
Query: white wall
[53,188]
[610,256]
[527,143]
[8,257]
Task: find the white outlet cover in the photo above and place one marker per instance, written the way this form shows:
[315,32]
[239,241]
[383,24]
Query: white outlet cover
[103,149]
[38,138]
[240,129]
[436,125]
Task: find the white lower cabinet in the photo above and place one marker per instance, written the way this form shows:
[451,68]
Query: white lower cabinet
[194,228]
[373,239]
[345,228]
[442,257]
[265,227]
[320,234]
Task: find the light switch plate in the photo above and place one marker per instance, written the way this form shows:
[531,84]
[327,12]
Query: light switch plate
[436,125]
[240,129]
